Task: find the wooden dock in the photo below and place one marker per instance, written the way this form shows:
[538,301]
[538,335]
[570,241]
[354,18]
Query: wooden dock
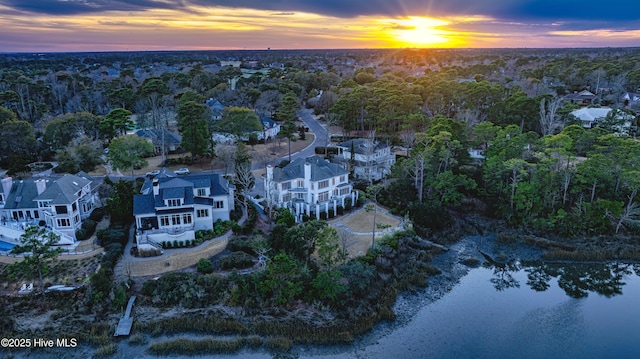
[126,322]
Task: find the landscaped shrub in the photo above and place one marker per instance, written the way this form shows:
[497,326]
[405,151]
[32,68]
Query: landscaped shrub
[236,228]
[111,255]
[114,234]
[204,266]
[237,260]
[97,214]
[347,204]
[244,244]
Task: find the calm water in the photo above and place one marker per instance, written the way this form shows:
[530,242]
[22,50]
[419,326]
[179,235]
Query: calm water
[517,311]
[574,311]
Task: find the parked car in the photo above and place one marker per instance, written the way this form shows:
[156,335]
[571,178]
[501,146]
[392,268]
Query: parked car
[153,173]
[182,171]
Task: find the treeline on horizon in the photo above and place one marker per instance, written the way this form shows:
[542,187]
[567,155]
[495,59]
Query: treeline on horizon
[543,170]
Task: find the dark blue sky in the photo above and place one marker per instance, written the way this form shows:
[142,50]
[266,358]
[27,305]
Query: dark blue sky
[496,22]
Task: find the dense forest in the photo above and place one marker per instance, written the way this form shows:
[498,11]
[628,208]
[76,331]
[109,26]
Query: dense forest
[541,169]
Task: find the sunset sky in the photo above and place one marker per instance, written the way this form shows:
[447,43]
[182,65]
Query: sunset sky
[131,25]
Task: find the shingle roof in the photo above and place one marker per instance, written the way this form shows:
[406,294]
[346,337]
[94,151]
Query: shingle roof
[362,145]
[320,170]
[178,187]
[155,135]
[60,191]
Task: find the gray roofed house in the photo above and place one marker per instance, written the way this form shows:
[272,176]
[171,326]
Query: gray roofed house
[369,160]
[171,140]
[59,203]
[217,108]
[270,128]
[171,208]
[582,98]
[309,185]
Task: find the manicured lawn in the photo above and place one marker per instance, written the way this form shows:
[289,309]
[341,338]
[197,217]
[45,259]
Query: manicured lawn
[362,221]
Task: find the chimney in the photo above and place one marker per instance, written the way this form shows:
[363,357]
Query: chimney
[41,185]
[307,173]
[269,175]
[7,183]
[156,187]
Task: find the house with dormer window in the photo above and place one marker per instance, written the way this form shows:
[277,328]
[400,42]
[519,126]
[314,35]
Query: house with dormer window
[309,186]
[59,204]
[172,208]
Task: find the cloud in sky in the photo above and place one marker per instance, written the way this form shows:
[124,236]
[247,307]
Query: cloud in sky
[613,11]
[90,25]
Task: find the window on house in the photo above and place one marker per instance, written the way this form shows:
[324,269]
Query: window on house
[344,191]
[61,209]
[202,192]
[36,214]
[175,219]
[333,181]
[74,207]
[174,202]
[286,185]
[323,184]
[324,196]
[286,197]
[44,204]
[64,222]
[76,219]
[342,179]
[300,183]
[202,213]
[164,221]
[218,204]
[186,218]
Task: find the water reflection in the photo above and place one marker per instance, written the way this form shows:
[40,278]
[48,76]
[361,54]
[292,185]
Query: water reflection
[577,280]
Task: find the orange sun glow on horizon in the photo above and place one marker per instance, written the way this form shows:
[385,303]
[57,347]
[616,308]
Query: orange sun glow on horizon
[419,32]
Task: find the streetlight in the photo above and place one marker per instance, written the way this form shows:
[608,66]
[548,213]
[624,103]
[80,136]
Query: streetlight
[373,194]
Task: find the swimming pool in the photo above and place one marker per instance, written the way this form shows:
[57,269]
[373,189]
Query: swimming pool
[6,247]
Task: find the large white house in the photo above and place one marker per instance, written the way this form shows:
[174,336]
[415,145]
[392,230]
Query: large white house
[589,117]
[59,204]
[370,160]
[309,186]
[172,207]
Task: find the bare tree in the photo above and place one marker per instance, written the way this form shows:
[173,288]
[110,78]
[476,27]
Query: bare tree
[408,138]
[631,214]
[346,241]
[227,154]
[548,112]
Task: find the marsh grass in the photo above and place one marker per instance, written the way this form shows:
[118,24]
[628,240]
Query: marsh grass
[278,344]
[593,254]
[254,341]
[105,350]
[138,339]
[199,346]
[190,324]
